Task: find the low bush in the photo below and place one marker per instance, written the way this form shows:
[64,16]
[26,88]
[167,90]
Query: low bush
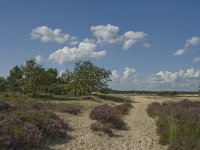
[107,114]
[178,123]
[30,125]
[71,109]
[4,106]
[154,109]
[123,108]
[106,128]
[113,98]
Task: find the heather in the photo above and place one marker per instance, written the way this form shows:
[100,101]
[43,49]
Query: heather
[28,125]
[178,123]
[108,117]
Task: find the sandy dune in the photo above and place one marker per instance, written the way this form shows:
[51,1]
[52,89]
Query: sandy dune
[141,133]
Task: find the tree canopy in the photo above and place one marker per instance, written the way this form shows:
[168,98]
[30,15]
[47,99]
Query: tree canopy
[32,78]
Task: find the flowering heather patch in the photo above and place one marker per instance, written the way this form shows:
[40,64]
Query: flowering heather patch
[97,126]
[4,105]
[123,108]
[178,123]
[30,125]
[154,109]
[71,109]
[106,114]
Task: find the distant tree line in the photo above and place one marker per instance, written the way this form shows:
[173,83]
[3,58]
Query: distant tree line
[32,78]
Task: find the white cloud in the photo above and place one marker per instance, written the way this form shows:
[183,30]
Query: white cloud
[196,59]
[109,34]
[147,45]
[46,34]
[181,76]
[131,37]
[98,54]
[179,52]
[193,41]
[73,43]
[39,59]
[106,33]
[114,75]
[86,48]
[128,72]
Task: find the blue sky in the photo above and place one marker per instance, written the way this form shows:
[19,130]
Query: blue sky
[147,45]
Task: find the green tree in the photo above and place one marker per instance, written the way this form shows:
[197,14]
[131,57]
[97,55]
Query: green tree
[34,77]
[89,78]
[14,80]
[2,84]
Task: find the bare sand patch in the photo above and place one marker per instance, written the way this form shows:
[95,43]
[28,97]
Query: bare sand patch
[141,133]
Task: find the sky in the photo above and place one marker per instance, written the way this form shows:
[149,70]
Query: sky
[147,45]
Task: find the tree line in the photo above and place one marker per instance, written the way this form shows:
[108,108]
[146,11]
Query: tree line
[32,78]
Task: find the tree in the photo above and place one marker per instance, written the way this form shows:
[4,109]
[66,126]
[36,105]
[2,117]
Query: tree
[34,77]
[89,78]
[2,84]
[198,90]
[14,80]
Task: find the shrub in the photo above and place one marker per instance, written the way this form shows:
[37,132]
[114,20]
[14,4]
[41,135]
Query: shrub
[71,109]
[107,114]
[97,126]
[113,98]
[178,123]
[123,108]
[154,109]
[4,105]
[30,125]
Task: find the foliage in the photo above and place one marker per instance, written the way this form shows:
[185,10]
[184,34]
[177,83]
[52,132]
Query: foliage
[178,123]
[34,77]
[88,78]
[107,114]
[14,80]
[28,125]
[97,126]
[2,84]
[114,98]
[123,108]
[71,109]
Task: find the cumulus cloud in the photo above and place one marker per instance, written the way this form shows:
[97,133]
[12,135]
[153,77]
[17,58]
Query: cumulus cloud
[181,76]
[86,48]
[46,34]
[39,59]
[191,42]
[114,75]
[147,45]
[128,72]
[179,52]
[131,37]
[109,34]
[106,33]
[98,54]
[196,59]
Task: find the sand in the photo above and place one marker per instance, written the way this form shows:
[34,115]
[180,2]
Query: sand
[141,133]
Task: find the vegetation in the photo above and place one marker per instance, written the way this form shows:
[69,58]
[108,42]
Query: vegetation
[28,125]
[107,117]
[178,123]
[33,79]
[114,98]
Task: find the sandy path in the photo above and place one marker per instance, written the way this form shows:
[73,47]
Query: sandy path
[141,133]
